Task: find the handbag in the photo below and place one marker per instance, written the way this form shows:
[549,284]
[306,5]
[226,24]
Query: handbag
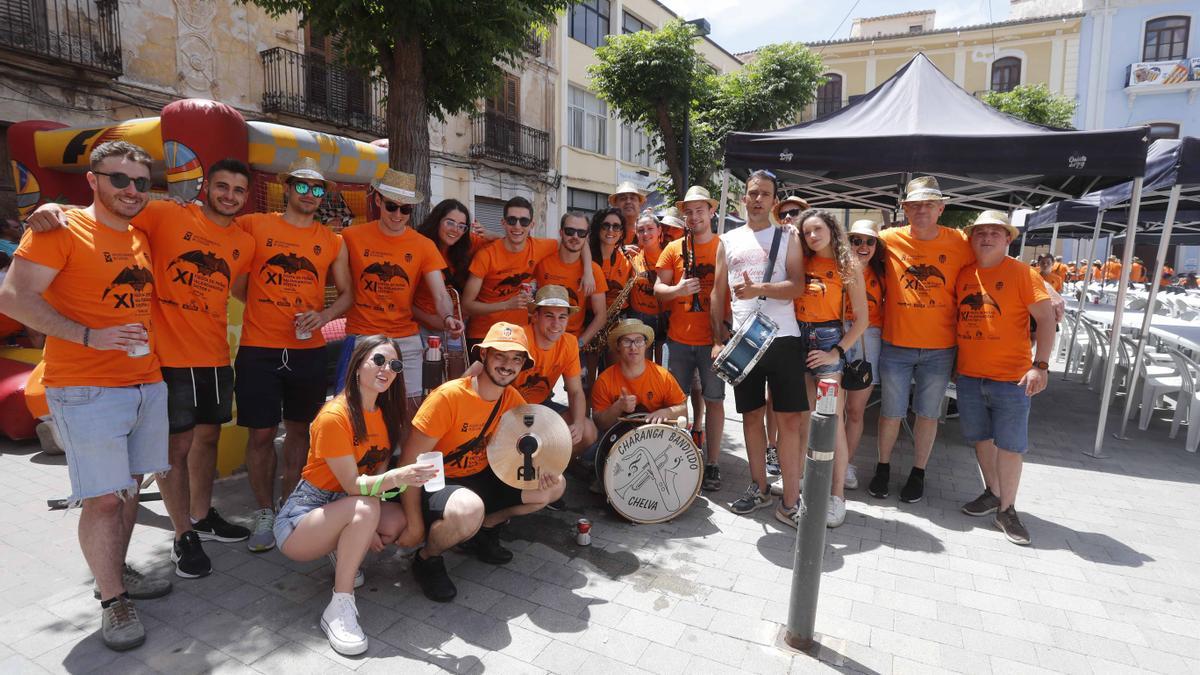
[856,374]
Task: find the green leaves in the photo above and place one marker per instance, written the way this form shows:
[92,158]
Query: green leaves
[1034,103]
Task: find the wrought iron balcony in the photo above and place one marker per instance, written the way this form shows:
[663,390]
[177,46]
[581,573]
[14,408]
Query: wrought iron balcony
[494,136]
[79,32]
[310,87]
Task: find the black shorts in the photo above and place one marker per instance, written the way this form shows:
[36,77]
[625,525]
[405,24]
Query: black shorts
[496,494]
[271,379]
[198,396]
[780,370]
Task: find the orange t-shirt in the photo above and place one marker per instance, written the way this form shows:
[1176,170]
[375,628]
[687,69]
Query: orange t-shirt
[616,269]
[453,414]
[1137,272]
[332,435]
[423,300]
[685,326]
[287,277]
[105,279]
[1060,269]
[874,299]
[553,271]
[1167,273]
[560,360]
[1111,271]
[642,298]
[195,262]
[655,388]
[822,297]
[993,319]
[502,273]
[919,310]
[386,271]
[1055,281]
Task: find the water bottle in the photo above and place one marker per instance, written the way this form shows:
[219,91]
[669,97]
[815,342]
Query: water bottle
[432,368]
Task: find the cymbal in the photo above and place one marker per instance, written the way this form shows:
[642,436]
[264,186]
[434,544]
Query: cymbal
[549,443]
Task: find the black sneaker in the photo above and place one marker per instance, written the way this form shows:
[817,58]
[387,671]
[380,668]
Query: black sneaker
[913,490]
[189,558]
[712,478]
[431,576]
[878,487]
[773,462]
[213,527]
[1011,526]
[486,546]
[557,505]
[982,505]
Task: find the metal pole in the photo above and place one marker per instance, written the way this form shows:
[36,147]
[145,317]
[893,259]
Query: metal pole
[1087,274]
[810,539]
[1168,224]
[724,200]
[1114,341]
[1053,238]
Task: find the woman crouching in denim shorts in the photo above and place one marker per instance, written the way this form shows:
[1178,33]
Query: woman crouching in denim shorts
[833,283]
[869,249]
[337,507]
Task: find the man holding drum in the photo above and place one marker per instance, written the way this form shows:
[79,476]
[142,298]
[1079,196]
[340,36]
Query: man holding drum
[635,384]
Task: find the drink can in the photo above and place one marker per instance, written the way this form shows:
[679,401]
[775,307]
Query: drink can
[583,532]
[827,397]
[435,341]
[138,349]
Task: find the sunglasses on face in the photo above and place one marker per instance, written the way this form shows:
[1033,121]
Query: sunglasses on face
[522,221]
[121,181]
[392,207]
[395,364]
[612,226]
[575,232]
[790,213]
[317,191]
[861,241]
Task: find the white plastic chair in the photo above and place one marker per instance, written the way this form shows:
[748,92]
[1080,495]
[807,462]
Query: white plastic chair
[1179,382]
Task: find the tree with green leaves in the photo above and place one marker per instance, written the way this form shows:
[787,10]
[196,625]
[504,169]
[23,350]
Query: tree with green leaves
[657,80]
[438,57]
[1034,103]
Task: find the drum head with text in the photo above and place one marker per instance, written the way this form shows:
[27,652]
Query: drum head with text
[652,473]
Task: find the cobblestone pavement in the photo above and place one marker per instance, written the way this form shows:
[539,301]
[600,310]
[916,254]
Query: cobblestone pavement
[1111,582]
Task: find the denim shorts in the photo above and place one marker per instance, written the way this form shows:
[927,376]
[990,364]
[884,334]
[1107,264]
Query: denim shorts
[304,499]
[683,360]
[902,367]
[412,353]
[870,341]
[989,410]
[110,434]
[821,336]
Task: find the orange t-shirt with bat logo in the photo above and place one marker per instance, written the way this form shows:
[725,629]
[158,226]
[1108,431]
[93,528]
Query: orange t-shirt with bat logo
[287,277]
[332,435]
[822,297]
[919,309]
[642,299]
[454,413]
[552,271]
[503,272]
[195,263]
[386,271]
[104,279]
[655,388]
[561,359]
[993,319]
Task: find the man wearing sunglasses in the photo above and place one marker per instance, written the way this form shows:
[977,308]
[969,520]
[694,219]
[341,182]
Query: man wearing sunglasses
[566,269]
[280,365]
[88,286]
[389,260]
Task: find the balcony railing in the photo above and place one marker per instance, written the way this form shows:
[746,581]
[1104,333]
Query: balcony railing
[497,137]
[80,32]
[310,87]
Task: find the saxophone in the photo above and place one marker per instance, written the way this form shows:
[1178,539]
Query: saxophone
[599,344]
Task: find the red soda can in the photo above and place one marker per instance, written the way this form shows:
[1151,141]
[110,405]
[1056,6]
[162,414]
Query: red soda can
[583,532]
[435,341]
[827,397]
[529,288]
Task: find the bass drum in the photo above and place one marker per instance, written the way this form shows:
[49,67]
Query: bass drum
[650,472]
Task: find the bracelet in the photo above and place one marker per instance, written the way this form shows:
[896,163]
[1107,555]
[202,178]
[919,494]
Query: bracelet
[87,332]
[374,491]
[841,352]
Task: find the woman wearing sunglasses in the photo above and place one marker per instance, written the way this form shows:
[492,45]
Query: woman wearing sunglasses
[651,239]
[337,509]
[605,240]
[869,249]
[448,226]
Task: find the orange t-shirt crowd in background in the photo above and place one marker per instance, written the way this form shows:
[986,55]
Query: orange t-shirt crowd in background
[332,435]
[822,297]
[919,308]
[423,300]
[993,319]
[552,271]
[560,360]
[195,263]
[386,271]
[685,326]
[105,279]
[287,277]
[1055,281]
[655,388]
[503,273]
[454,414]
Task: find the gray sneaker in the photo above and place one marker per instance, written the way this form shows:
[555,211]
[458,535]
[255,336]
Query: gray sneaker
[121,629]
[138,585]
[982,505]
[262,538]
[751,500]
[1010,524]
[788,516]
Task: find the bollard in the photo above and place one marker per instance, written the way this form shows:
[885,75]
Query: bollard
[814,500]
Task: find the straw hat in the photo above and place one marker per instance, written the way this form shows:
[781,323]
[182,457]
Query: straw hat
[865,226]
[306,168]
[398,187]
[923,189]
[630,327]
[790,199]
[696,194]
[627,188]
[507,337]
[553,296]
[992,217]
[671,218]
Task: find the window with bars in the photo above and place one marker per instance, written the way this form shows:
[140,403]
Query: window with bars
[587,121]
[1166,38]
[632,24]
[586,201]
[829,95]
[589,22]
[1006,73]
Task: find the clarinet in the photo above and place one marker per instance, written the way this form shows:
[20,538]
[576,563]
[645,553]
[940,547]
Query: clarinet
[689,260]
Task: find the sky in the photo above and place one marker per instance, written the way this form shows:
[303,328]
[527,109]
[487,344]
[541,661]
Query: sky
[741,26]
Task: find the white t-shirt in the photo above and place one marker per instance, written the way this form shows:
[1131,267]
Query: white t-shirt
[747,251]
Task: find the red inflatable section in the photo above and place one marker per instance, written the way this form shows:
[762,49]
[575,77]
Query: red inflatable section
[35,184]
[196,133]
[15,420]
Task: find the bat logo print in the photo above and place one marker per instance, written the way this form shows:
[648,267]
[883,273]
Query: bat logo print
[134,276]
[977,301]
[206,262]
[290,263]
[919,275]
[386,271]
[513,281]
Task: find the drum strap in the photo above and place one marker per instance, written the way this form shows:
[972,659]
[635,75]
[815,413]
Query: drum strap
[771,262]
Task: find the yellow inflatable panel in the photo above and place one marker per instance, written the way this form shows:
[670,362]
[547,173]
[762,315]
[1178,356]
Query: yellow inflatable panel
[231,449]
[70,148]
[22,354]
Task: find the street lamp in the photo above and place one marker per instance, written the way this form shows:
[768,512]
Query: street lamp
[700,28]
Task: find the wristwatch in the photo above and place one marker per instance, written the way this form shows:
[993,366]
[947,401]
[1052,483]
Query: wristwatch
[1041,365]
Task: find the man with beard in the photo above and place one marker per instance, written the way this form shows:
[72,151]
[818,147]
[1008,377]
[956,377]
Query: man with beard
[457,420]
[566,269]
[88,286]
[280,365]
[629,200]
[634,383]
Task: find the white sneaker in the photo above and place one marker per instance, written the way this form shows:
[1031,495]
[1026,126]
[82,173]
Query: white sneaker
[851,481]
[835,514]
[262,537]
[340,623]
[359,577]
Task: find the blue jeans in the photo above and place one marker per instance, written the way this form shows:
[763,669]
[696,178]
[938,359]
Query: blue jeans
[900,368]
[989,410]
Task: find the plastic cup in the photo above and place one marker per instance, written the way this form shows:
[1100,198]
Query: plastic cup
[302,334]
[138,349]
[438,481]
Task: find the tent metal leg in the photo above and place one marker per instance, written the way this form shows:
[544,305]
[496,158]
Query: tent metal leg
[1087,272]
[724,200]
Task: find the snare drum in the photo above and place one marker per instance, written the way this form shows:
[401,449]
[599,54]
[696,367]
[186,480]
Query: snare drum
[650,472]
[745,348]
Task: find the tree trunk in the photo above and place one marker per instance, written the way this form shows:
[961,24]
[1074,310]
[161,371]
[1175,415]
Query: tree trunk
[408,116]
[671,149]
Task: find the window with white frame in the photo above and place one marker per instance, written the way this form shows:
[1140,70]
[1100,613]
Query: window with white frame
[587,121]
[636,145]
[632,24]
